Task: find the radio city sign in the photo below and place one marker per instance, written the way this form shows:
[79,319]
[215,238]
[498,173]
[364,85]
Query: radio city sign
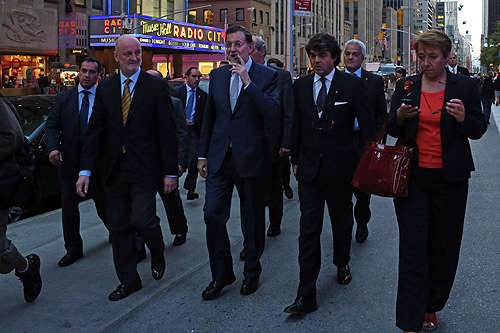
[155,32]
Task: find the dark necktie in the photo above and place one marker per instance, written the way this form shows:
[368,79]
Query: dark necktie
[321,99]
[189,106]
[84,111]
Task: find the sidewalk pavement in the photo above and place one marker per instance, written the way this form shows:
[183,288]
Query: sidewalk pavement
[75,297]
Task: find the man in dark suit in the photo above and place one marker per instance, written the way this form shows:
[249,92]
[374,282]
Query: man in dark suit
[194,100]
[373,85]
[324,157]
[132,126]
[242,98]
[66,125]
[453,66]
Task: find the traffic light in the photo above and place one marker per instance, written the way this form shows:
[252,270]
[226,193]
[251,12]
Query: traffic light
[400,17]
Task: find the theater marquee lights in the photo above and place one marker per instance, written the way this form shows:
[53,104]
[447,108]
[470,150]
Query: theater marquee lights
[155,32]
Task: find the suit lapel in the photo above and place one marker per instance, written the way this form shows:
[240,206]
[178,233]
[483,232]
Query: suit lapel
[139,91]
[74,109]
[253,77]
[449,93]
[332,93]
[116,95]
[183,95]
[309,96]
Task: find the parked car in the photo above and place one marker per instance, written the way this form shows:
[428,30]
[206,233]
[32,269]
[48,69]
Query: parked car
[387,69]
[34,111]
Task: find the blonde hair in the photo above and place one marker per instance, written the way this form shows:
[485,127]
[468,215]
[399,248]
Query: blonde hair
[434,38]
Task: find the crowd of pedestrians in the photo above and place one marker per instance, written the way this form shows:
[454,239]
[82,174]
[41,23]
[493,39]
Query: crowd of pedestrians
[131,136]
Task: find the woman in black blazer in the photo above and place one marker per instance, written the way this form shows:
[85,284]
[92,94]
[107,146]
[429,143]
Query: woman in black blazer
[436,112]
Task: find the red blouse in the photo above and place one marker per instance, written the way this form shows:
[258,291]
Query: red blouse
[430,154]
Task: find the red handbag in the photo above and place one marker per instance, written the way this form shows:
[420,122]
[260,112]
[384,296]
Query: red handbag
[384,170]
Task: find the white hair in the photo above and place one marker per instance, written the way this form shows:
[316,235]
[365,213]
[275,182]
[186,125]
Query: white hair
[358,42]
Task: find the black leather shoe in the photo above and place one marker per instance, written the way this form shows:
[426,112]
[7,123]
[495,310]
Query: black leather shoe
[249,286]
[273,233]
[157,266]
[288,191]
[243,254]
[141,254]
[31,279]
[124,290]
[192,195]
[69,258]
[213,290]
[179,239]
[361,233]
[344,275]
[302,305]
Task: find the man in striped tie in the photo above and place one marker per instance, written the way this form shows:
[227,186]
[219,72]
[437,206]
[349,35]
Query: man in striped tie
[132,133]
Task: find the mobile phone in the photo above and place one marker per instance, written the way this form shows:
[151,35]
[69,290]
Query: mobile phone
[408,101]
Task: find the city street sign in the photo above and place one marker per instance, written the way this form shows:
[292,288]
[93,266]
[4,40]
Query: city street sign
[302,8]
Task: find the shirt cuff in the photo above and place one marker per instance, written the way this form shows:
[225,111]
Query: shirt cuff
[84,173]
[201,158]
[245,87]
[172,176]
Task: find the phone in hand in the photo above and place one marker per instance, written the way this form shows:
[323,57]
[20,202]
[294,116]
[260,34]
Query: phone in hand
[408,101]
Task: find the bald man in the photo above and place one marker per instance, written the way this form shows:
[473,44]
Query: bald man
[132,128]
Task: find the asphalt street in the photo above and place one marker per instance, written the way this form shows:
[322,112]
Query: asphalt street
[74,298]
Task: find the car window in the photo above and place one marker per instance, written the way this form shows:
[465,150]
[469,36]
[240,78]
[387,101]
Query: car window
[33,110]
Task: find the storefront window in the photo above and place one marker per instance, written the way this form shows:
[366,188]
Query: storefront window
[80,3]
[97,4]
[240,14]
[208,17]
[22,71]
[192,16]
[205,67]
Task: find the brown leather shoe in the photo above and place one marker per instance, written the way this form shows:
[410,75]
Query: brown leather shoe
[124,290]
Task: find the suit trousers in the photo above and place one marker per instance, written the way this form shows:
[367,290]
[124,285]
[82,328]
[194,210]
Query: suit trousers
[431,221]
[131,210]
[275,198]
[175,212]
[71,213]
[9,256]
[219,191]
[312,196]
[285,171]
[362,212]
[192,175]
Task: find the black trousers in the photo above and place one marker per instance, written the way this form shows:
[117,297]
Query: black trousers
[285,170]
[431,221]
[338,197]
[275,198]
[175,212]
[362,212]
[71,213]
[131,210]
[219,191]
[192,175]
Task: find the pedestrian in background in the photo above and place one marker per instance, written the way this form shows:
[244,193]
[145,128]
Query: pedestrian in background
[444,113]
[373,87]
[193,99]
[497,90]
[487,95]
[66,127]
[324,158]
[27,269]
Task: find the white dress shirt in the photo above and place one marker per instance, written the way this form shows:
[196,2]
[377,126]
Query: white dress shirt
[453,69]
[317,85]
[131,86]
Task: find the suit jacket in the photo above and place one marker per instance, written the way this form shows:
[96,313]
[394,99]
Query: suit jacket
[149,135]
[329,139]
[460,70]
[245,128]
[457,156]
[63,131]
[181,131]
[280,132]
[11,133]
[375,97]
[201,99]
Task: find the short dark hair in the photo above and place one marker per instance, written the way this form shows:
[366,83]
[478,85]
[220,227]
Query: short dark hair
[92,59]
[275,61]
[401,71]
[190,69]
[235,28]
[324,42]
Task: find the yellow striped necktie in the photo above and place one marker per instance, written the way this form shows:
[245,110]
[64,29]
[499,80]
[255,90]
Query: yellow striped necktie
[126,101]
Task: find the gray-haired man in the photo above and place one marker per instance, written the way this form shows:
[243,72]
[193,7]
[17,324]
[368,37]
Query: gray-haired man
[27,268]
[354,55]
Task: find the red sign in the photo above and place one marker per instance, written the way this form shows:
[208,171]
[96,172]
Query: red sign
[302,7]
[67,27]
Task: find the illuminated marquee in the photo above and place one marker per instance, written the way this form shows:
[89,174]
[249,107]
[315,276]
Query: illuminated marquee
[155,32]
